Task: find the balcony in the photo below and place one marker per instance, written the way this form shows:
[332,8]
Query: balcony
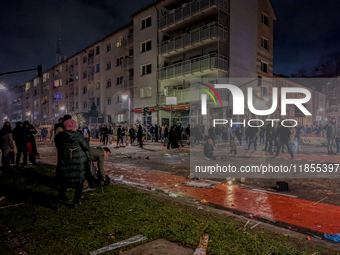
[198,66]
[127,43]
[127,63]
[195,38]
[90,61]
[128,83]
[183,96]
[189,10]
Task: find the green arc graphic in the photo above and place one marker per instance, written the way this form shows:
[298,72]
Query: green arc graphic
[208,94]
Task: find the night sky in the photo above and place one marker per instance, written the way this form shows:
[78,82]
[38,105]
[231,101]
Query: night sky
[305,32]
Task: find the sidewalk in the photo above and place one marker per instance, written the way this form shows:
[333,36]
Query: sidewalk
[307,214]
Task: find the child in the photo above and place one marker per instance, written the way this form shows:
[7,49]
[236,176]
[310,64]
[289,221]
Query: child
[233,147]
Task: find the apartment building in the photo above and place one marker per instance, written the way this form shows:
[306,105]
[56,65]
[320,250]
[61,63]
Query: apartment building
[166,44]
[316,106]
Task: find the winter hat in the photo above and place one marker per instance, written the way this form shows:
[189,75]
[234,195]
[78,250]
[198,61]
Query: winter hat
[70,124]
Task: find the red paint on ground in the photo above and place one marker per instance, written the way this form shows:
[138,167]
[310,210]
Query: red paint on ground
[304,213]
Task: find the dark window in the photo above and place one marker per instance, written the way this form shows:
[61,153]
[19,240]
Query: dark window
[146,22]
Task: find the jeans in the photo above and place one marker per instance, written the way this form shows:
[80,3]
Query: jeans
[330,144]
[24,153]
[261,139]
[252,140]
[281,144]
[153,136]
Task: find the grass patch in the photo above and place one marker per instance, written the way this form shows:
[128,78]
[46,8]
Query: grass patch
[118,214]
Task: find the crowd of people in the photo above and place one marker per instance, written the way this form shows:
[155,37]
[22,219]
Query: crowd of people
[276,138]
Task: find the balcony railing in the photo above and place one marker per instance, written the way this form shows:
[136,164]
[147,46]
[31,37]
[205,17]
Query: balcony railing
[199,64]
[188,10]
[128,83]
[183,96]
[127,63]
[127,41]
[209,31]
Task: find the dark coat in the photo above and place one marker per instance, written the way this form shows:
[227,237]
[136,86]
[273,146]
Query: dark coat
[72,159]
[208,150]
[140,133]
[166,132]
[97,155]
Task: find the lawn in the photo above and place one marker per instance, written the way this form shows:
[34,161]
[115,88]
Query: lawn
[118,214]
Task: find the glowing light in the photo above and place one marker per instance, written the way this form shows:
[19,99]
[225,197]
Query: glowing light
[229,182]
[28,113]
[124,97]
[62,108]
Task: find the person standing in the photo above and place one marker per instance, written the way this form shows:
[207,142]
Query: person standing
[284,136]
[119,135]
[156,133]
[331,130]
[19,136]
[71,146]
[162,132]
[105,132]
[152,132]
[6,145]
[51,135]
[179,131]
[124,136]
[132,134]
[166,135]
[140,136]
[30,132]
[292,138]
[111,132]
[187,132]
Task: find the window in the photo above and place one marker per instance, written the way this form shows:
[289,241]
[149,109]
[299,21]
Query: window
[119,80]
[76,62]
[264,67]
[98,101]
[97,85]
[264,43]
[76,105]
[120,117]
[85,105]
[84,59]
[119,42]
[108,101]
[108,83]
[145,23]
[97,50]
[265,19]
[119,100]
[84,75]
[77,76]
[145,69]
[77,91]
[146,46]
[264,91]
[36,82]
[108,118]
[84,90]
[97,67]
[66,95]
[145,92]
[119,61]
[108,65]
[108,47]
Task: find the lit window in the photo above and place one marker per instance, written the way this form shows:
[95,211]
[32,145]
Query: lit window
[97,85]
[119,42]
[145,92]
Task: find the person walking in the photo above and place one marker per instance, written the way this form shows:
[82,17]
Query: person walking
[179,131]
[111,132]
[124,136]
[152,132]
[166,135]
[156,133]
[72,147]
